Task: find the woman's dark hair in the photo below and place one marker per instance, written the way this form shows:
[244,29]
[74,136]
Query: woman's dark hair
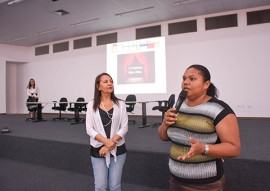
[97,93]
[212,90]
[30,85]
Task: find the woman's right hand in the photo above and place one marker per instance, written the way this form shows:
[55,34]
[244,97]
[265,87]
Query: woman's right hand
[169,117]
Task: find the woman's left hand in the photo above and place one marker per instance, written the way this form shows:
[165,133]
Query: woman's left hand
[103,151]
[195,149]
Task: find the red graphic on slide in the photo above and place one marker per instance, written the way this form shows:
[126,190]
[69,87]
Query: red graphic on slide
[136,68]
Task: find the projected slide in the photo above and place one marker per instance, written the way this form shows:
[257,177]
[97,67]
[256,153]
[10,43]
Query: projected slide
[138,66]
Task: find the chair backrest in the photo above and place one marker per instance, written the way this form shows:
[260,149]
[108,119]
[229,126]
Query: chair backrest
[63,105]
[80,99]
[171,101]
[167,105]
[81,105]
[130,102]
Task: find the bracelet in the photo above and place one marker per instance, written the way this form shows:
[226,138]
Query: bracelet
[206,149]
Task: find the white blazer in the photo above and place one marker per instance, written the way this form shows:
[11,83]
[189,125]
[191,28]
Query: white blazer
[34,91]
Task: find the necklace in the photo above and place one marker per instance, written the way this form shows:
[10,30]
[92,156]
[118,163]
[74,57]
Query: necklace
[108,114]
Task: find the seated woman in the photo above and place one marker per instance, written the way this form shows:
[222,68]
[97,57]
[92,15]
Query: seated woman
[33,94]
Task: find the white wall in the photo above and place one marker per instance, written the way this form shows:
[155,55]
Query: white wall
[67,74]
[237,58]
[239,64]
[2,85]
[11,93]
[15,54]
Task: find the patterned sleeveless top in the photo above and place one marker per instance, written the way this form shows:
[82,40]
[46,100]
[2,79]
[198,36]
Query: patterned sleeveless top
[199,123]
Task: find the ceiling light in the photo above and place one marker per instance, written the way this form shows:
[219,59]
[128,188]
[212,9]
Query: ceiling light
[16,39]
[136,10]
[84,22]
[11,2]
[47,31]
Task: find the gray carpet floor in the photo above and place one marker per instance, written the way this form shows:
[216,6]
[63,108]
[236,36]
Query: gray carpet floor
[25,176]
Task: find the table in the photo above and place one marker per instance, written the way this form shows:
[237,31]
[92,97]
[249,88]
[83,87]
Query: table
[39,110]
[144,115]
[77,106]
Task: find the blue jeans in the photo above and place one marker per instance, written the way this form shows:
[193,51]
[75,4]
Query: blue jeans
[108,177]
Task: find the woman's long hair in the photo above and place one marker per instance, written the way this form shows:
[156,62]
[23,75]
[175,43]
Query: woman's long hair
[30,85]
[212,90]
[97,93]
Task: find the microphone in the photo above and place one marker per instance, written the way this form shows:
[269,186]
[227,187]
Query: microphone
[181,98]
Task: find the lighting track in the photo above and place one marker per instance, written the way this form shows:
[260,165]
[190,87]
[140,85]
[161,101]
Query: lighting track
[16,39]
[183,2]
[47,31]
[133,11]
[84,22]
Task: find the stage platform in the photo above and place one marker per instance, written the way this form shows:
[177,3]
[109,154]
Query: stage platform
[55,156]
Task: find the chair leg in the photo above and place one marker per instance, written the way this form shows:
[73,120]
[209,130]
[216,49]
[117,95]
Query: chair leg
[60,117]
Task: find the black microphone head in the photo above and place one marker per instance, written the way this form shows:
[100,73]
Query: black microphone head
[183,94]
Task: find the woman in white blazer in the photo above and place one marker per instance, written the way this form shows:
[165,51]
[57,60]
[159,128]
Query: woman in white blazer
[107,125]
[32,92]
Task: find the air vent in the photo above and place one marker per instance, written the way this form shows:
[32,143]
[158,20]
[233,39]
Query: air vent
[224,21]
[258,17]
[106,39]
[148,32]
[60,47]
[42,50]
[182,27]
[82,43]
[61,12]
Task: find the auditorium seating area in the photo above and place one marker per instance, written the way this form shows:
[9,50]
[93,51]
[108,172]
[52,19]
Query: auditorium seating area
[55,156]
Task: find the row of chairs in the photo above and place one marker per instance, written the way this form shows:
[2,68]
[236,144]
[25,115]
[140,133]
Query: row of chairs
[63,106]
[162,106]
